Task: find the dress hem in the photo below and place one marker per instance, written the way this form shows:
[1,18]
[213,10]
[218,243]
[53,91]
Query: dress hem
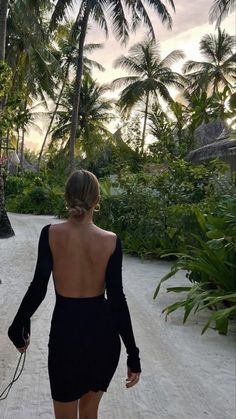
[65,400]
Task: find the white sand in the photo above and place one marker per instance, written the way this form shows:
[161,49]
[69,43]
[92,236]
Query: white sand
[185,375]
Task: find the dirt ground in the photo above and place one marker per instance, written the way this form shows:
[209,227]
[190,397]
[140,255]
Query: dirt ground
[185,375]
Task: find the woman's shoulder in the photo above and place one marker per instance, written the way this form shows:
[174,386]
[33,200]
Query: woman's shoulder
[105,233]
[56,226]
[106,238]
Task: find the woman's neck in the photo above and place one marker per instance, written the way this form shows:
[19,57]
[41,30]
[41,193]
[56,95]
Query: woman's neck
[83,221]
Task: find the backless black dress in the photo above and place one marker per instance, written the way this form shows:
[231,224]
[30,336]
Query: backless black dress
[84,341]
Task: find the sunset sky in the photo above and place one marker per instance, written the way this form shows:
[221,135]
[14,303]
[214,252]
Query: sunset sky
[190,23]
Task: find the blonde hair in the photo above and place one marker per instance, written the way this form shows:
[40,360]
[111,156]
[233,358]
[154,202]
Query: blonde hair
[81,192]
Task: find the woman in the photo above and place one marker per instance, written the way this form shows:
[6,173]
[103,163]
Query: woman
[84,342]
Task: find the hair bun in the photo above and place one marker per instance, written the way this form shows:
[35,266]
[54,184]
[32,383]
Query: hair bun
[78,208]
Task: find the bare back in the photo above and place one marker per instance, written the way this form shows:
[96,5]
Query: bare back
[80,257]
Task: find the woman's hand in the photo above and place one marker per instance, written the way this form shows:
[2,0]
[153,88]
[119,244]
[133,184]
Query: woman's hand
[27,342]
[132,378]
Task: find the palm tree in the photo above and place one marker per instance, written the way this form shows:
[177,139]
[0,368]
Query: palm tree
[30,55]
[218,68]
[151,77]
[5,225]
[67,42]
[96,10]
[28,51]
[220,9]
[95,112]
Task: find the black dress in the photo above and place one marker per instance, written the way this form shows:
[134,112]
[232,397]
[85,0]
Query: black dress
[84,341]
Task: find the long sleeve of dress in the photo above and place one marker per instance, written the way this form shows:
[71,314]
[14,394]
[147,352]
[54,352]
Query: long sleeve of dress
[35,294]
[119,307]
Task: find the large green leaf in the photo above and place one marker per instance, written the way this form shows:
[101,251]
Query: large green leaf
[165,278]
[178,289]
[221,319]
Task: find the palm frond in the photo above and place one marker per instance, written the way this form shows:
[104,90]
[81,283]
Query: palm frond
[89,64]
[217,48]
[119,21]
[140,15]
[99,17]
[59,12]
[164,93]
[208,47]
[128,63]
[190,66]
[131,95]
[162,11]
[220,9]
[146,51]
[172,58]
[91,47]
[123,81]
[231,59]
[225,44]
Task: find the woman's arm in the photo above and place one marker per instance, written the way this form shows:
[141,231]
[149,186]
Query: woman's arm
[20,327]
[119,307]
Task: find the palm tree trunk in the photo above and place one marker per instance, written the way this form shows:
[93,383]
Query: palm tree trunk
[7,148]
[22,148]
[145,123]
[5,225]
[76,101]
[18,141]
[52,118]
[23,140]
[3,27]
[3,30]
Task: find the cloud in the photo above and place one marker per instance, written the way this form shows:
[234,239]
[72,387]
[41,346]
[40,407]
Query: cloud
[189,14]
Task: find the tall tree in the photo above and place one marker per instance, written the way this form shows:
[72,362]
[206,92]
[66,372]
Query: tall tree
[67,52]
[151,77]
[95,112]
[97,10]
[5,225]
[218,68]
[31,55]
[220,9]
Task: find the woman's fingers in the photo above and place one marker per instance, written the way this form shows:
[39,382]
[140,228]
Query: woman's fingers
[133,378]
[23,349]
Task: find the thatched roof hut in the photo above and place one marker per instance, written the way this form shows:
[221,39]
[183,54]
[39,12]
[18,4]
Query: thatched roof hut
[223,147]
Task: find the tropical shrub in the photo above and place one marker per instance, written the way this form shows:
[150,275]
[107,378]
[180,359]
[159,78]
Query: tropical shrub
[155,212]
[134,217]
[32,194]
[211,267]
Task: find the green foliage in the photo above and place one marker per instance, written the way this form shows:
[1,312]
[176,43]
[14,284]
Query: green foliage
[32,194]
[12,102]
[131,133]
[161,128]
[210,266]
[5,78]
[132,215]
[156,212]
[204,108]
[95,112]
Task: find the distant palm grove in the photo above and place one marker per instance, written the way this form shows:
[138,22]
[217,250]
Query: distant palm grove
[162,191]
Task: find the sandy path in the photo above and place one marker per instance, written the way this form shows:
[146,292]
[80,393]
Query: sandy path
[185,375]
